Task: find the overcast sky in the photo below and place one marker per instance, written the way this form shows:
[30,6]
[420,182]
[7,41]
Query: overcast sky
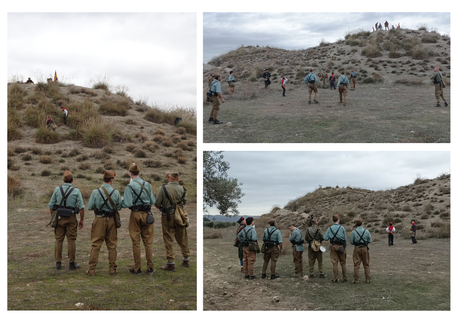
[274,178]
[153,54]
[226,31]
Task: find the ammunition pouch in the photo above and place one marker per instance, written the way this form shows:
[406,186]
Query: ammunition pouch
[64,211]
[145,207]
[269,244]
[245,243]
[104,213]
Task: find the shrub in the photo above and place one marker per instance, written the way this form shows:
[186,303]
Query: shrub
[150,145]
[13,132]
[131,147]
[46,136]
[140,153]
[14,186]
[46,159]
[157,115]
[74,152]
[16,95]
[45,173]
[100,155]
[26,157]
[98,133]
[83,157]
[372,51]
[189,126]
[152,164]
[180,130]
[167,142]
[182,160]
[119,107]
[419,52]
[108,165]
[175,138]
[184,146]
[84,166]
[141,136]
[108,150]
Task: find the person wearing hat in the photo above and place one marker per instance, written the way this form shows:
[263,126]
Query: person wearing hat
[242,223]
[246,235]
[353,77]
[361,238]
[342,84]
[338,237]
[231,81]
[296,239]
[138,197]
[324,78]
[68,197]
[66,113]
[103,227]
[216,93]
[314,233]
[266,75]
[273,247]
[310,80]
[169,197]
[391,232]
[414,231]
[29,81]
[332,80]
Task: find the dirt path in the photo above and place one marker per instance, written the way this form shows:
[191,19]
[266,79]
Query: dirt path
[403,277]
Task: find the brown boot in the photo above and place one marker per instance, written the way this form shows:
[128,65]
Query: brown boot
[169,267]
[186,264]
[113,271]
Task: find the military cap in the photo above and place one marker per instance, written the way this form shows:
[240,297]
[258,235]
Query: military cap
[134,168]
[391,223]
[173,174]
[335,217]
[240,220]
[272,222]
[359,222]
[109,174]
[68,175]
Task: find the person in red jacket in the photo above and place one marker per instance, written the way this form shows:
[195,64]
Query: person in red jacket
[391,232]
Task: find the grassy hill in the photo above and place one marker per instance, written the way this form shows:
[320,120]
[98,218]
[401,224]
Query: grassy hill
[393,102]
[104,131]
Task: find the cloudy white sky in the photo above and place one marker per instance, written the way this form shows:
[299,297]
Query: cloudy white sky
[274,178]
[227,31]
[152,54]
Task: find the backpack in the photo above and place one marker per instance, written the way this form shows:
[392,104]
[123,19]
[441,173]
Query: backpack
[315,244]
[180,215]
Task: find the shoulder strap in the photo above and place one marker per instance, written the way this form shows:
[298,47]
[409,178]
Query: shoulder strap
[65,195]
[138,196]
[246,232]
[167,195]
[270,234]
[335,234]
[108,198]
[361,236]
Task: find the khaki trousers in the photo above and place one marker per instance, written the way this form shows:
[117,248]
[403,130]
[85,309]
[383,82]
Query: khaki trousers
[361,254]
[438,93]
[353,83]
[215,106]
[138,228]
[170,231]
[249,259]
[312,257]
[103,229]
[324,82]
[297,259]
[336,257]
[312,88]
[271,254]
[66,226]
[343,91]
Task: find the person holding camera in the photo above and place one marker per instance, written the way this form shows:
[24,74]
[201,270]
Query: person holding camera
[248,236]
[139,199]
[273,246]
[337,234]
[67,201]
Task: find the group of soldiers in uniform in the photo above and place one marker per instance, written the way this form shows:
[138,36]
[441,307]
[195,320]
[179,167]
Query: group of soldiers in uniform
[106,202]
[273,245]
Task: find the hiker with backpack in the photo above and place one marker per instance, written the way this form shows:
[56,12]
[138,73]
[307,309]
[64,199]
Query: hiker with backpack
[314,237]
[439,84]
[310,80]
[272,247]
[171,199]
[138,197]
[361,238]
[105,201]
[338,237]
[296,239]
[248,239]
[342,84]
[64,205]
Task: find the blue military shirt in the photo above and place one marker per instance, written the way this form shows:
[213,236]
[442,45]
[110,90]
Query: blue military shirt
[248,233]
[360,231]
[310,77]
[296,237]
[96,201]
[275,235]
[73,200]
[129,197]
[354,74]
[341,234]
[342,80]
[215,86]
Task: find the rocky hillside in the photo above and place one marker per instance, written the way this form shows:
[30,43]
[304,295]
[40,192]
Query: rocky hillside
[426,201]
[401,55]
[104,131]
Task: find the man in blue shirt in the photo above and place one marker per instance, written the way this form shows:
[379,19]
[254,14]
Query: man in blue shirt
[247,235]
[338,237]
[231,83]
[216,93]
[311,82]
[67,223]
[295,237]
[361,238]
[273,246]
[354,76]
[342,84]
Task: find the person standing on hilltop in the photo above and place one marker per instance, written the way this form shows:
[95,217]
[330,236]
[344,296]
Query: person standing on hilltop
[438,86]
[414,230]
[242,224]
[361,238]
[391,233]
[353,77]
[342,84]
[311,82]
[336,233]
[169,197]
[387,25]
[332,81]
[324,78]
[105,202]
[66,113]
[231,83]
[138,197]
[67,201]
[376,26]
[314,237]
[216,93]
[29,81]
[266,75]
[247,236]
[273,246]
[296,239]
[284,80]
